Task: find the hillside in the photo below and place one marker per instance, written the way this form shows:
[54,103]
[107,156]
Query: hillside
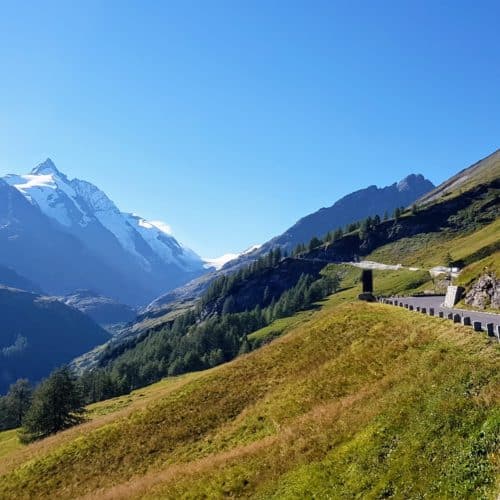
[482,172]
[464,228]
[40,333]
[357,399]
[348,209]
[9,278]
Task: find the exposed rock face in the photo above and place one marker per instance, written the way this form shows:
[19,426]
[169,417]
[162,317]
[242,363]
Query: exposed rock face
[485,292]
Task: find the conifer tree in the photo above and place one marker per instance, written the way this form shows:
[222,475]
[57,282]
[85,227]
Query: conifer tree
[314,243]
[18,401]
[57,404]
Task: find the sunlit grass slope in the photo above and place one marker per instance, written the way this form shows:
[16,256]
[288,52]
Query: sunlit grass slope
[8,442]
[430,249]
[357,400]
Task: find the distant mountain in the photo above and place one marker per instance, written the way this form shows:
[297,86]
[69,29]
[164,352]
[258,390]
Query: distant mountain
[103,310]
[76,225]
[38,334]
[353,207]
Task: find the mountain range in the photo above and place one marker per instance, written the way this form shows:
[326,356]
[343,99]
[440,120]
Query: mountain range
[67,234]
[348,209]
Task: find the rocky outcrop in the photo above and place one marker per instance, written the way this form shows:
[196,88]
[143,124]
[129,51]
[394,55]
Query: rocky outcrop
[485,292]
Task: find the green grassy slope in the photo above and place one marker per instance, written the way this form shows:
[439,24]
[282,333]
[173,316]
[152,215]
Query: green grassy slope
[482,172]
[429,249]
[356,400]
[8,442]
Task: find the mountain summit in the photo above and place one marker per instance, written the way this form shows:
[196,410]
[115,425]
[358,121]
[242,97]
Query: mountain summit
[352,207]
[46,167]
[147,258]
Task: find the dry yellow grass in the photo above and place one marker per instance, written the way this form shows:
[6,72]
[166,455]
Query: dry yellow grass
[358,399]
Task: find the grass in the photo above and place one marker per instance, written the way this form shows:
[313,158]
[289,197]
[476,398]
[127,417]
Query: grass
[9,442]
[13,453]
[483,172]
[471,272]
[430,249]
[356,400]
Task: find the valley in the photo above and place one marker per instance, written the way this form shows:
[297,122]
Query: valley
[249,250]
[282,420]
[277,382]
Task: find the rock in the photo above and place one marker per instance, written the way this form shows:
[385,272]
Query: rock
[485,292]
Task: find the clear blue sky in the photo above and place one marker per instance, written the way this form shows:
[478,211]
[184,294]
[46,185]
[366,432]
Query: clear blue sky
[231,120]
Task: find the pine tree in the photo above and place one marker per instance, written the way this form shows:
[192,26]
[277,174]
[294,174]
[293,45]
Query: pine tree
[364,229]
[229,305]
[57,404]
[6,421]
[18,400]
[314,243]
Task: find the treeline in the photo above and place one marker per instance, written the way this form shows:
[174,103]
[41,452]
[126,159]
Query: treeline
[55,404]
[185,346]
[223,286]
[189,345]
[363,227]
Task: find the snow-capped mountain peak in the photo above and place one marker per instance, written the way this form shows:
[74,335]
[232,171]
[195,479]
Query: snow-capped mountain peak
[46,167]
[85,211]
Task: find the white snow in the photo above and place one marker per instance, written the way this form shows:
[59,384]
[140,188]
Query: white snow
[164,228]
[251,249]
[47,192]
[219,262]
[79,202]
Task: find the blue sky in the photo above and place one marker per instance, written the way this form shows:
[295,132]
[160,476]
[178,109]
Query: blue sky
[231,120]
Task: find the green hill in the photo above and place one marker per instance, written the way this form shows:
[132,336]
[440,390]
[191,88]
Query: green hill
[356,400]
